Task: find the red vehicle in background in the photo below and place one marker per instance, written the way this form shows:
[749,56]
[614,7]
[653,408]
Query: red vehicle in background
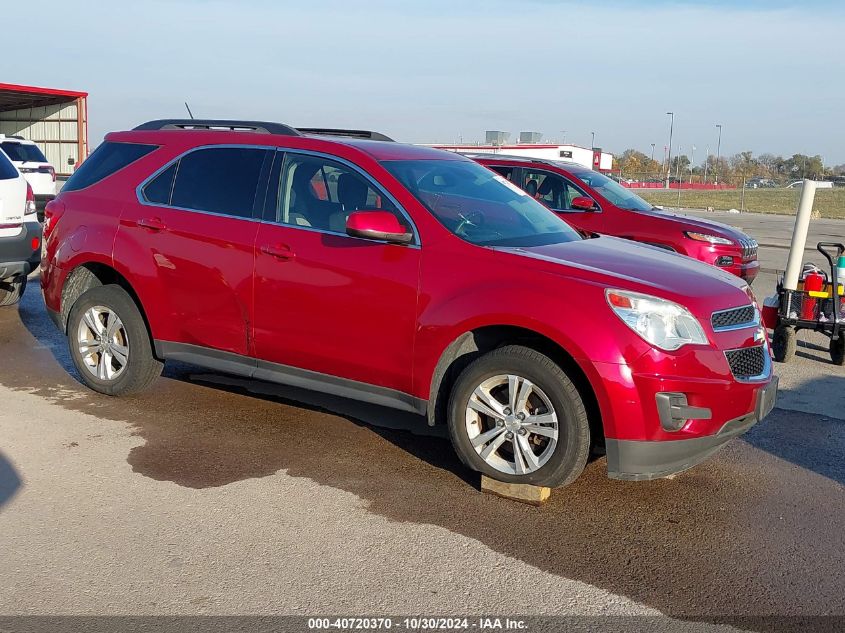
[592,202]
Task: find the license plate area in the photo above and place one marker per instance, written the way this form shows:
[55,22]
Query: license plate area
[766,399]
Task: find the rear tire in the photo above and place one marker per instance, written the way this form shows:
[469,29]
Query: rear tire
[11,290]
[535,429]
[837,350]
[109,342]
[784,343]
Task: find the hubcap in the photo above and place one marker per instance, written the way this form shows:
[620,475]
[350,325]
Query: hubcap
[512,424]
[103,343]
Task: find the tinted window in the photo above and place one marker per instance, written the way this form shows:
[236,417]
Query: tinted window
[7,170]
[320,193]
[158,190]
[219,180]
[23,152]
[504,171]
[106,160]
[479,205]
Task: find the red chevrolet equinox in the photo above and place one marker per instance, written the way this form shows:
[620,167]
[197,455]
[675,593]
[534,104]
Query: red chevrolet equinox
[592,202]
[406,277]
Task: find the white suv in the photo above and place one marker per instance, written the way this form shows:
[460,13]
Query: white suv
[20,232]
[31,162]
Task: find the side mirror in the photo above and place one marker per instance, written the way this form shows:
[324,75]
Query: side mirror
[583,203]
[377,225]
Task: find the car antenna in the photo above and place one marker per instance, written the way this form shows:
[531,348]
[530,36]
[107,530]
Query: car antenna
[188,108]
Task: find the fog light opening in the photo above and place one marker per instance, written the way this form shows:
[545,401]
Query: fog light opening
[724,260]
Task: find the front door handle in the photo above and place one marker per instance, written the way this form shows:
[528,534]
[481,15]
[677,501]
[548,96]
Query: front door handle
[153,224]
[279,251]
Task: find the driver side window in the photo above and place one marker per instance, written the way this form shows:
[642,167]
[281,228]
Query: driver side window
[552,190]
[319,193]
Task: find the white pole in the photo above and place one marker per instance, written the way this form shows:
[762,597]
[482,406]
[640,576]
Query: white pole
[799,236]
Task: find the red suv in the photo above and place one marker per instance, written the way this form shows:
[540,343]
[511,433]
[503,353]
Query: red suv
[403,276]
[590,201]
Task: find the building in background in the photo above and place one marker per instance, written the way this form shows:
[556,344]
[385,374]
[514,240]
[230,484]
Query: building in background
[530,147]
[56,120]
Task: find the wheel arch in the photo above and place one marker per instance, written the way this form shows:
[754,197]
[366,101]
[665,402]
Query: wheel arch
[476,342]
[90,275]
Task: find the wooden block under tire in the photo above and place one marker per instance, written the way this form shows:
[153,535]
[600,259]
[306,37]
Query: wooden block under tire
[524,493]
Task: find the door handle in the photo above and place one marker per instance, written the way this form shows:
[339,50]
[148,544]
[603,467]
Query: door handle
[153,224]
[279,251]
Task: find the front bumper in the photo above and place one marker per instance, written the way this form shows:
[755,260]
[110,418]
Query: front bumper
[17,255]
[639,460]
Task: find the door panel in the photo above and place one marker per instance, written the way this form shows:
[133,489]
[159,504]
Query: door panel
[201,261]
[325,301]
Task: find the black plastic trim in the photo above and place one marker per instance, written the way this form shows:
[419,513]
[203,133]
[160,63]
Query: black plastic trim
[365,134]
[220,125]
[16,254]
[286,375]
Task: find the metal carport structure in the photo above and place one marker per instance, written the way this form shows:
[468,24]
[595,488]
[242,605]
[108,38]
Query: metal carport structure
[57,120]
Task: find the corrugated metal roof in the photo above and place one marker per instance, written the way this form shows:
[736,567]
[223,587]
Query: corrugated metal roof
[15,97]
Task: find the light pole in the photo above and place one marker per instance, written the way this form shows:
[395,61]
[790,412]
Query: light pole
[691,163]
[593,141]
[718,154]
[678,173]
[669,159]
[652,159]
[706,162]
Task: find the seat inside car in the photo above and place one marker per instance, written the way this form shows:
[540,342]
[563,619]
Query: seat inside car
[352,195]
[306,208]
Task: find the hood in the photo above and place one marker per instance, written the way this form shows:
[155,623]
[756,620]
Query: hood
[627,265]
[699,225]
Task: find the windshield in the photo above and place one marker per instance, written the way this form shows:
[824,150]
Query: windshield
[479,205]
[611,190]
[23,152]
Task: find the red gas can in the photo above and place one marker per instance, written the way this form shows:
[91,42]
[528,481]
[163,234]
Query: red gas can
[812,282]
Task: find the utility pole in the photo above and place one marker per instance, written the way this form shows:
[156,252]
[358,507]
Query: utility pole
[669,159]
[678,174]
[706,162]
[691,163]
[652,159]
[718,153]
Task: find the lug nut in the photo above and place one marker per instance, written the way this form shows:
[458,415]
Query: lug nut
[500,423]
[507,411]
[520,416]
[522,431]
[509,435]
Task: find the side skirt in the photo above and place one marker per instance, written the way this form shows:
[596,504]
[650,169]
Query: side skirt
[227,362]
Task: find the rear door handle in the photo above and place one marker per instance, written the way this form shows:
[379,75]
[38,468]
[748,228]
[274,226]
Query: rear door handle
[279,251]
[153,224]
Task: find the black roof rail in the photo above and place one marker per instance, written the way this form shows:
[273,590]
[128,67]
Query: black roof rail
[366,134]
[259,127]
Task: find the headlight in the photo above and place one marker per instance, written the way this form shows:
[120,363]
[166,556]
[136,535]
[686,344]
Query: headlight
[662,323]
[706,237]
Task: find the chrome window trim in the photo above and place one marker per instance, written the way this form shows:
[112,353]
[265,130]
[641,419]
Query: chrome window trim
[767,364]
[755,322]
[139,191]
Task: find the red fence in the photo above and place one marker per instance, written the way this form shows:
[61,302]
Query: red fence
[675,185]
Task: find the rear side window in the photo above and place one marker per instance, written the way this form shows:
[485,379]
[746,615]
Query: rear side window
[106,160]
[23,152]
[219,180]
[7,170]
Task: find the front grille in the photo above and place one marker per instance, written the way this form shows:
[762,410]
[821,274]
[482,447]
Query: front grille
[746,316]
[749,248]
[747,362]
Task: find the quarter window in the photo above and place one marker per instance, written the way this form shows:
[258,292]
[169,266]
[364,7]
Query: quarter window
[159,189]
[108,158]
[218,180]
[7,169]
[320,193]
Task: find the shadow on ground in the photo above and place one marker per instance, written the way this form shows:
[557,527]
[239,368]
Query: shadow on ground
[10,482]
[740,534]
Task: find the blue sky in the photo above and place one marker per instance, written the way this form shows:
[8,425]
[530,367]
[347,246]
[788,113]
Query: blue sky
[770,72]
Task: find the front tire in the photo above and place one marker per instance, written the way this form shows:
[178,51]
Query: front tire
[109,342]
[515,416]
[837,350]
[11,290]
